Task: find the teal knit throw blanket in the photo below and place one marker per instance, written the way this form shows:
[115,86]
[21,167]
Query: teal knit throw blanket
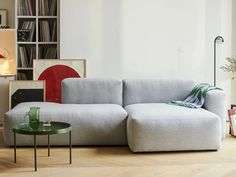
[196,97]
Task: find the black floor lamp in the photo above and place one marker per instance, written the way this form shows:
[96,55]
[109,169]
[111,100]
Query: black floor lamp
[218,40]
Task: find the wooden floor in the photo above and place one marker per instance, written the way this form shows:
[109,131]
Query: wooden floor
[119,162]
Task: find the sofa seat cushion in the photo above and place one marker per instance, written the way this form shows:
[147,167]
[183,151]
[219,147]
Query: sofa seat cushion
[92,124]
[164,127]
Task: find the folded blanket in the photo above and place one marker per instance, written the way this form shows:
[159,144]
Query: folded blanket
[196,97]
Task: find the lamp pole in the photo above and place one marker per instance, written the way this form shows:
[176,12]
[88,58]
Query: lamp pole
[220,40]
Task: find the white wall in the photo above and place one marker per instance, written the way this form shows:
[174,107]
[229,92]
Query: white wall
[147,38]
[10,6]
[234,28]
[233,88]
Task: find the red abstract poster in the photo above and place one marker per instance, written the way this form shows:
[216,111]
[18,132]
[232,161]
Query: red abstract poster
[54,71]
[53,77]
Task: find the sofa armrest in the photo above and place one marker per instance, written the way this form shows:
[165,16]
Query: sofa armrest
[216,102]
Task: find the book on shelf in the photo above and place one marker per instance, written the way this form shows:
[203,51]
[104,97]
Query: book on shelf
[23,35]
[26,56]
[53,8]
[54,32]
[28,25]
[23,57]
[22,76]
[47,30]
[47,52]
[44,31]
[47,7]
[26,7]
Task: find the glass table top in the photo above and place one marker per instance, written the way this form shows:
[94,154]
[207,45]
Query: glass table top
[42,128]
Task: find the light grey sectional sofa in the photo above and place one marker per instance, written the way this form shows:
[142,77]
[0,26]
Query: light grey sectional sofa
[133,112]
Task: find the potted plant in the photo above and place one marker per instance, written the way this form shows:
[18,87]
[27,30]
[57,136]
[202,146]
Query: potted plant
[230,66]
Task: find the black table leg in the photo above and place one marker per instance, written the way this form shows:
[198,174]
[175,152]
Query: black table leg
[48,145]
[14,146]
[70,147]
[35,155]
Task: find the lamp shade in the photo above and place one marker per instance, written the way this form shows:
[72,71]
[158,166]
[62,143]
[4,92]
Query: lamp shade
[1,56]
[7,52]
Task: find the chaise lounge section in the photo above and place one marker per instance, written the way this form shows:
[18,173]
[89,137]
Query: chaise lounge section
[154,125]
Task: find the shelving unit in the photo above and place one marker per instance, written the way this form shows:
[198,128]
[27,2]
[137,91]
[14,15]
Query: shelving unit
[38,22]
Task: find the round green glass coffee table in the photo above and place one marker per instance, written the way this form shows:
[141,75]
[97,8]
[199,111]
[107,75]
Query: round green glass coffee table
[54,128]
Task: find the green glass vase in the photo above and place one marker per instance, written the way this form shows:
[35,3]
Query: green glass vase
[34,117]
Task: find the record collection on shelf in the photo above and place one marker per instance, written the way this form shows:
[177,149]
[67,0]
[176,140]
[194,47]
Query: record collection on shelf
[25,75]
[26,7]
[47,7]
[37,34]
[47,51]
[27,25]
[26,54]
[48,30]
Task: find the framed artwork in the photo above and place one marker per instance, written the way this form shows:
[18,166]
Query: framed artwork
[3,17]
[54,71]
[26,91]
[232,120]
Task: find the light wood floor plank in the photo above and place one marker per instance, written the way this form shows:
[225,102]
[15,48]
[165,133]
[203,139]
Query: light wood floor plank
[119,162]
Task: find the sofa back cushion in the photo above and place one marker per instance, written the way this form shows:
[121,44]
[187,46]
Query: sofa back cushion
[91,91]
[155,91]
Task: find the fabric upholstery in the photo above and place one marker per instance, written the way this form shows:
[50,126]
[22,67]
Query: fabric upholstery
[216,102]
[164,127]
[155,91]
[93,107]
[91,91]
[92,124]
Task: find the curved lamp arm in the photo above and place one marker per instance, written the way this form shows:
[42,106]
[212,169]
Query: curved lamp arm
[219,40]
